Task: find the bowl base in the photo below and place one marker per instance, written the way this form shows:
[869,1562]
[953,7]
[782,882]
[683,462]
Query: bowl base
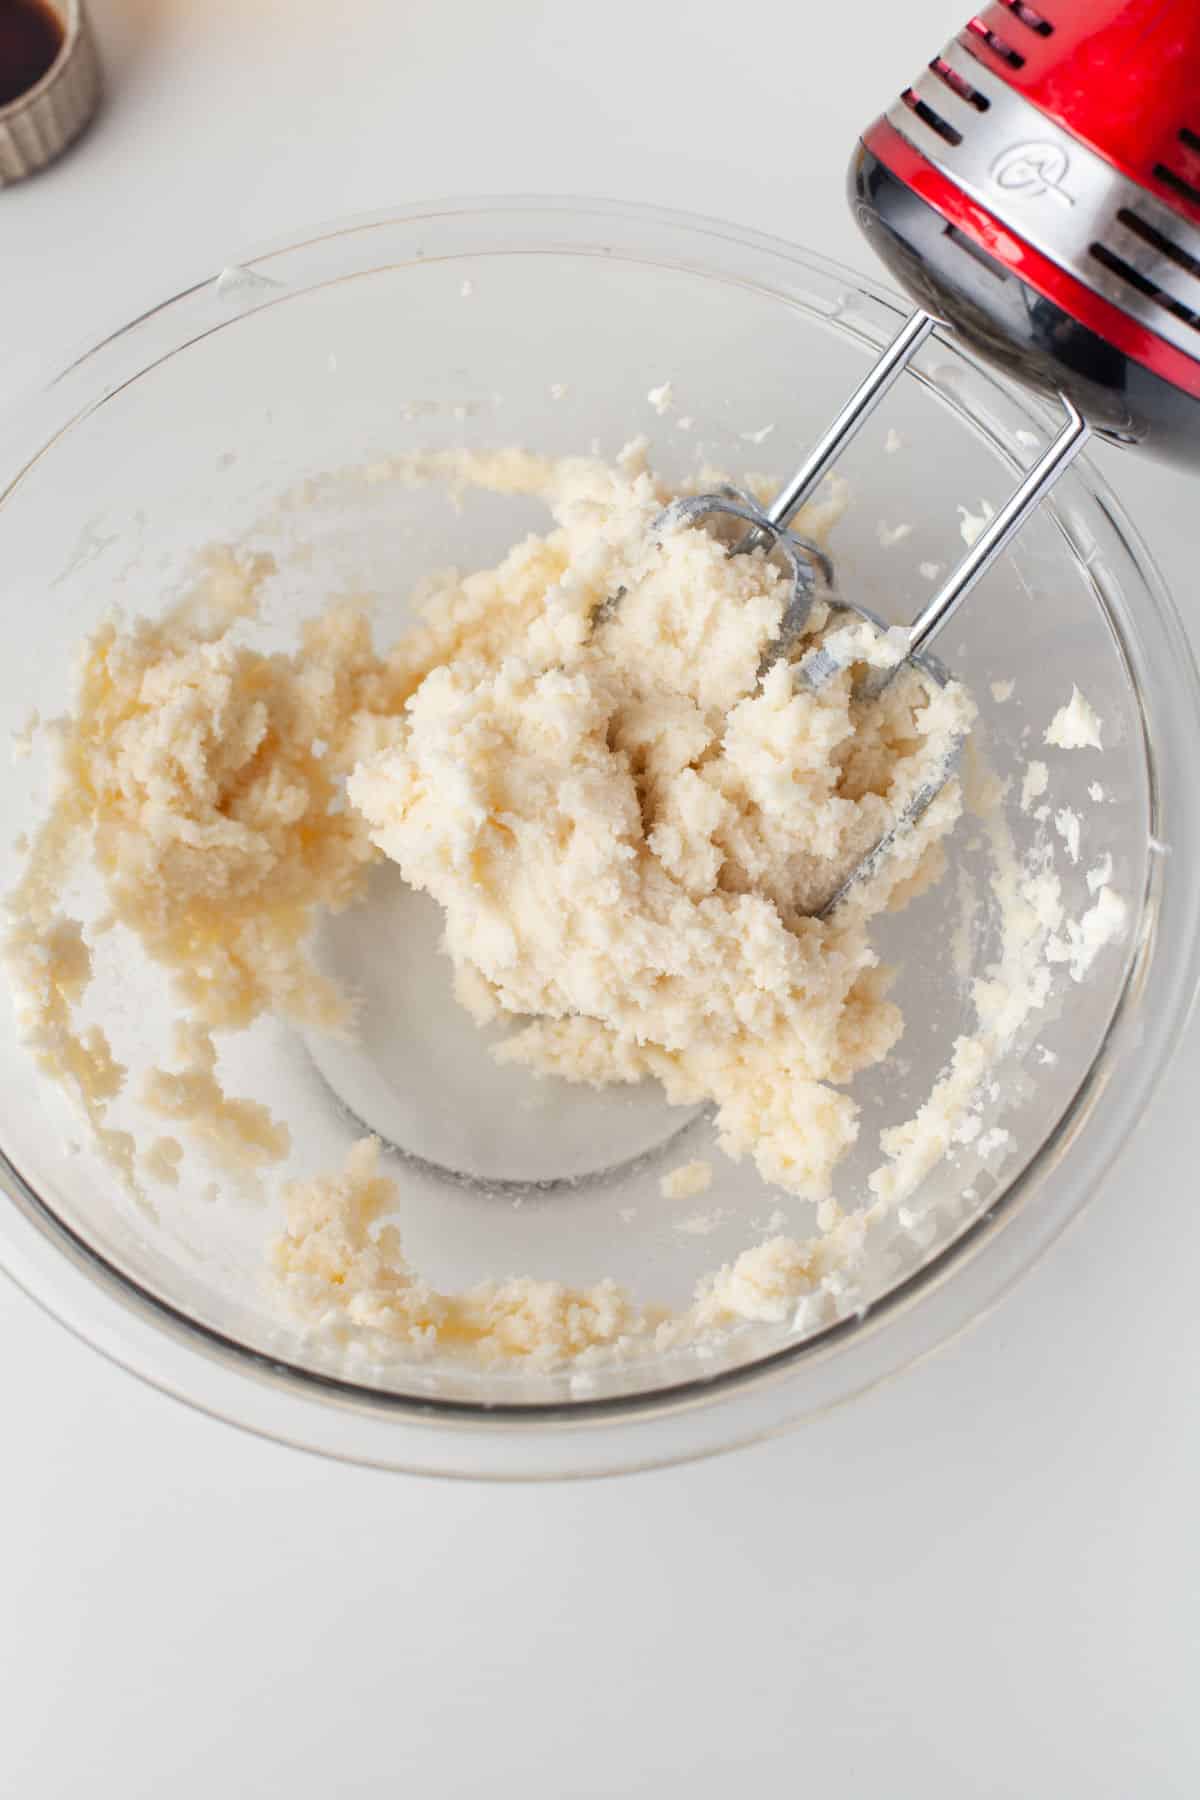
[420,1075]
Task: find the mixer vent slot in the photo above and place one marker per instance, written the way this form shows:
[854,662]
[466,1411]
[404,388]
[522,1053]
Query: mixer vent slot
[1190,138]
[1158,240]
[958,84]
[1116,265]
[1029,18]
[996,44]
[927,116]
[1186,189]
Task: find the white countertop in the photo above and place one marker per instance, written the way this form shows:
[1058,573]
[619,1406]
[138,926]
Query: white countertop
[978,1581]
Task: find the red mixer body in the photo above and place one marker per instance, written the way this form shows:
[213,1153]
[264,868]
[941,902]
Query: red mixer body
[1039,185]
[1120,75]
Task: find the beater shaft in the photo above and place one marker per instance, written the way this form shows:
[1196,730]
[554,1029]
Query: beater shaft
[852,418]
[1000,530]
[1057,457]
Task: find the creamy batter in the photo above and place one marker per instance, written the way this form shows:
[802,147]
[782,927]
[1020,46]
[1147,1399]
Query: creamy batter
[629,810]
[628,826]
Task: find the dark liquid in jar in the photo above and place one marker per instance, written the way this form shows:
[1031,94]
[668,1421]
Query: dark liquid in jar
[31,36]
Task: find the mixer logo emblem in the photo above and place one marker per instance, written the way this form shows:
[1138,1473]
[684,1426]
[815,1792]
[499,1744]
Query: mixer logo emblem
[1033,169]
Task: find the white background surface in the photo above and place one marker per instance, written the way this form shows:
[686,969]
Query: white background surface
[980,1581]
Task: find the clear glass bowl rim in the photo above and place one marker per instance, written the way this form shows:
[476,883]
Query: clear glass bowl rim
[338,1418]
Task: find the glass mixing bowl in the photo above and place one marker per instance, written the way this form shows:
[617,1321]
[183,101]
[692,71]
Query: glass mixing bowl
[246,410]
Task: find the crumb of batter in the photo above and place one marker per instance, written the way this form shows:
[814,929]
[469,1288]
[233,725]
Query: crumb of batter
[1068,825]
[1085,937]
[238,1135]
[336,1261]
[1037,780]
[22,740]
[764,1283]
[688,1180]
[699,1224]
[161,1161]
[971,526]
[1075,726]
[49,967]
[189,766]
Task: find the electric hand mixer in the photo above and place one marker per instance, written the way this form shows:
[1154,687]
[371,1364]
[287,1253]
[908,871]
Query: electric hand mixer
[1037,190]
